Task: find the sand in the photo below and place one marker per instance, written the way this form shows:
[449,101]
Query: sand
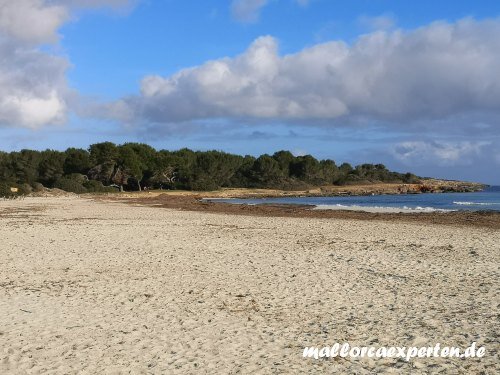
[100,287]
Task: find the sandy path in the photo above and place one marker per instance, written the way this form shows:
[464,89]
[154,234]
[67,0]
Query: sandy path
[91,287]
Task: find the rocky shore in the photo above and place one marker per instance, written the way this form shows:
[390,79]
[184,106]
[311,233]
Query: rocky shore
[425,186]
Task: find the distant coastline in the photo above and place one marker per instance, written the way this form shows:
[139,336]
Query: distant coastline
[106,167]
[434,186]
[427,186]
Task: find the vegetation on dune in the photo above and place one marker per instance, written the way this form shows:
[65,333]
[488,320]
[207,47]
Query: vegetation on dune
[135,166]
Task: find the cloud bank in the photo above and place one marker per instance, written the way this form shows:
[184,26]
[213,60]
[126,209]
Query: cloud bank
[33,88]
[437,72]
[443,154]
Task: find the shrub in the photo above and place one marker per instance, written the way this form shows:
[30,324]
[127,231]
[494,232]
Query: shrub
[94,186]
[68,184]
[26,188]
[80,178]
[6,190]
[37,187]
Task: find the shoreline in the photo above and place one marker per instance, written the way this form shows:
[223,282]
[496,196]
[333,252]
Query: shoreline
[338,207]
[196,202]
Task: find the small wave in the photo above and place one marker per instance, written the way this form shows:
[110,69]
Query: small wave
[476,203]
[379,208]
[428,209]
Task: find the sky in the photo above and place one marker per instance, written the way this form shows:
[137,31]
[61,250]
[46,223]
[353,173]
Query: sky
[412,85]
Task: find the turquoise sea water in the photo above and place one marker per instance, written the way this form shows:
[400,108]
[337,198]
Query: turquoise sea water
[487,200]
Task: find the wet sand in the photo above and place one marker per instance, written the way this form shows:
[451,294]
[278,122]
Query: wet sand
[192,202]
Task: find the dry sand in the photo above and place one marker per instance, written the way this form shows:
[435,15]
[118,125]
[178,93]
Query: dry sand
[99,287]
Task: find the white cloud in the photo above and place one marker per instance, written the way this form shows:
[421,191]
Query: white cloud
[247,10]
[37,21]
[33,88]
[34,111]
[429,74]
[31,20]
[440,153]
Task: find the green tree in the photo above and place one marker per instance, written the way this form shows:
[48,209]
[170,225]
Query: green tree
[213,170]
[103,159]
[51,167]
[22,166]
[242,177]
[187,162]
[129,165]
[77,161]
[329,170]
[103,153]
[165,170]
[285,159]
[266,172]
[308,169]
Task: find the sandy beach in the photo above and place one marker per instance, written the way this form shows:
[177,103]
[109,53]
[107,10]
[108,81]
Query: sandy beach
[92,286]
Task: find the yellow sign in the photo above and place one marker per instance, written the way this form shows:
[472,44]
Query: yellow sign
[14,190]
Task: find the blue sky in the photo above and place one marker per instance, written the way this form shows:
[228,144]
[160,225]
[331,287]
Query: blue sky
[164,36]
[410,84]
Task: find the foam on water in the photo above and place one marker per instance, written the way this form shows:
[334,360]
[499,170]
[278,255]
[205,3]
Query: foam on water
[487,200]
[380,209]
[477,203]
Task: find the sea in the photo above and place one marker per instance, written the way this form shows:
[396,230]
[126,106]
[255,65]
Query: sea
[486,200]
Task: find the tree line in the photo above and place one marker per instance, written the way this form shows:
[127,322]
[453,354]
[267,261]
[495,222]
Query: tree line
[106,167]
